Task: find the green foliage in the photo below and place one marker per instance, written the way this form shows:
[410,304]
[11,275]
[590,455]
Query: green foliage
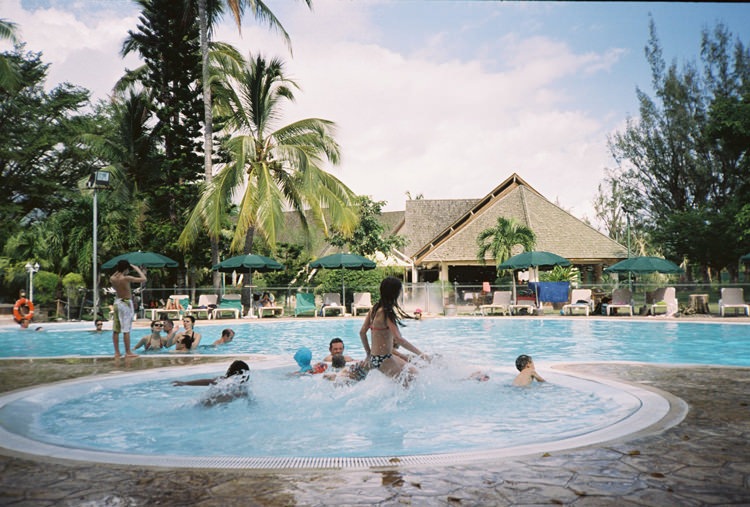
[293,257]
[329,280]
[499,241]
[40,162]
[561,274]
[685,161]
[369,237]
[46,287]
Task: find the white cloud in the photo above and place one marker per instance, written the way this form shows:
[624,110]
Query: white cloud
[422,122]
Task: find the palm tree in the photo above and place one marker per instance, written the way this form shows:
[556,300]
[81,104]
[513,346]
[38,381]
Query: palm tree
[207,19]
[502,238]
[281,168]
[10,76]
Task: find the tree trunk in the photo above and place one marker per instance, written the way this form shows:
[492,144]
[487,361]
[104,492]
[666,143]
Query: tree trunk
[247,279]
[208,129]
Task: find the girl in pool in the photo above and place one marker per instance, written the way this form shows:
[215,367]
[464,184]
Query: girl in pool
[383,322]
[189,339]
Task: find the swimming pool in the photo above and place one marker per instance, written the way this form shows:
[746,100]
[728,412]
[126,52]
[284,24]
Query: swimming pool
[141,419]
[473,340]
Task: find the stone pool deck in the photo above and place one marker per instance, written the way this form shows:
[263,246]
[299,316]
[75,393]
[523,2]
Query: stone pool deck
[704,460]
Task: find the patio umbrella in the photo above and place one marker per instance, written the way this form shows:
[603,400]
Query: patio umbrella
[535,259]
[145,259]
[343,261]
[641,265]
[247,264]
[745,259]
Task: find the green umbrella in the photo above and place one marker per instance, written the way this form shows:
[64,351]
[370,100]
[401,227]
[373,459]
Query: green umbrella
[145,259]
[641,265]
[343,261]
[535,259]
[745,259]
[248,263]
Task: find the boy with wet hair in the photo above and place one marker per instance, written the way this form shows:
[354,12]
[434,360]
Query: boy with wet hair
[525,365]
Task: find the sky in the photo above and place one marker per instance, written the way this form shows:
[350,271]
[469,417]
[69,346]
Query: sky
[440,98]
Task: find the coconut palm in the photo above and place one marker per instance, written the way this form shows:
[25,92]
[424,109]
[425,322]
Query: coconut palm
[10,76]
[499,241]
[207,17]
[280,168]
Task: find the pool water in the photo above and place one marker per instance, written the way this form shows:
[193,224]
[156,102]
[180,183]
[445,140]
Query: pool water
[441,412]
[474,340]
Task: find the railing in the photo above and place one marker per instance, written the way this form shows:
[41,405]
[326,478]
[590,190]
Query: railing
[430,298]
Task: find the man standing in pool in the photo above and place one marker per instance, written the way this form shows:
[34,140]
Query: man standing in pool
[336,347]
[525,365]
[123,306]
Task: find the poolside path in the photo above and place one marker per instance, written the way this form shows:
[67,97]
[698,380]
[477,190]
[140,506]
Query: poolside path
[705,460]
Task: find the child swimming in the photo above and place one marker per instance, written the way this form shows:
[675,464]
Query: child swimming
[525,365]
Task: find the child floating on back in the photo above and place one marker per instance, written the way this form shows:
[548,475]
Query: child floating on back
[525,365]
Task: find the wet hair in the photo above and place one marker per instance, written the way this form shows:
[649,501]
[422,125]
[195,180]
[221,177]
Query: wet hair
[122,266]
[390,290]
[191,317]
[335,340]
[338,361]
[187,341]
[98,321]
[229,333]
[237,368]
[522,361]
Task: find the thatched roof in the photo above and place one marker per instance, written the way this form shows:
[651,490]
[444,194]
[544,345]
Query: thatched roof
[454,242]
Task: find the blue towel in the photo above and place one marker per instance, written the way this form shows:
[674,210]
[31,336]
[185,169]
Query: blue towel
[551,292]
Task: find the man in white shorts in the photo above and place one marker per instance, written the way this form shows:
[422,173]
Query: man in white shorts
[123,307]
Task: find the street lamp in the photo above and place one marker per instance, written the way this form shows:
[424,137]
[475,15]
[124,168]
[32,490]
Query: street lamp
[99,180]
[627,211]
[31,269]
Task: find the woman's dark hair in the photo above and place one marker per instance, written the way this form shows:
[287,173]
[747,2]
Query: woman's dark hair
[237,368]
[390,290]
[187,340]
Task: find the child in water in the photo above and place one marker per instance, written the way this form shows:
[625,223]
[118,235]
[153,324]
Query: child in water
[223,389]
[525,365]
[303,357]
[383,322]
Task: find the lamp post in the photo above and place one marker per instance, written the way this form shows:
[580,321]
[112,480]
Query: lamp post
[99,180]
[626,210]
[31,269]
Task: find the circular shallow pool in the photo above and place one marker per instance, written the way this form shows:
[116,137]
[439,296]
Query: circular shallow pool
[289,421]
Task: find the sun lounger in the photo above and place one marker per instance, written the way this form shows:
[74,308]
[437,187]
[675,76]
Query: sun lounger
[500,300]
[530,306]
[362,301]
[231,303]
[271,310]
[305,303]
[332,301]
[733,298]
[580,299]
[664,298]
[621,298]
[182,301]
[206,305]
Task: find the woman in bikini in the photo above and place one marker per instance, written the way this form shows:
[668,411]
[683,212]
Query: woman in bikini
[189,339]
[383,322]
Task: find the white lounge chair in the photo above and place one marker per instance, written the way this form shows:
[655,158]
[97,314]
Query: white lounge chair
[529,305]
[500,300]
[205,305]
[182,300]
[362,301]
[733,298]
[664,298]
[332,301]
[272,310]
[580,299]
[621,298]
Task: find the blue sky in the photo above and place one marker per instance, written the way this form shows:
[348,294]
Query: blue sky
[435,97]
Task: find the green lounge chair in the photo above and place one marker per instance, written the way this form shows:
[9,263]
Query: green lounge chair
[305,303]
[230,303]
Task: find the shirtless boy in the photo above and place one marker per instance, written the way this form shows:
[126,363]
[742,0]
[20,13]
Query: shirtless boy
[525,365]
[123,306]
